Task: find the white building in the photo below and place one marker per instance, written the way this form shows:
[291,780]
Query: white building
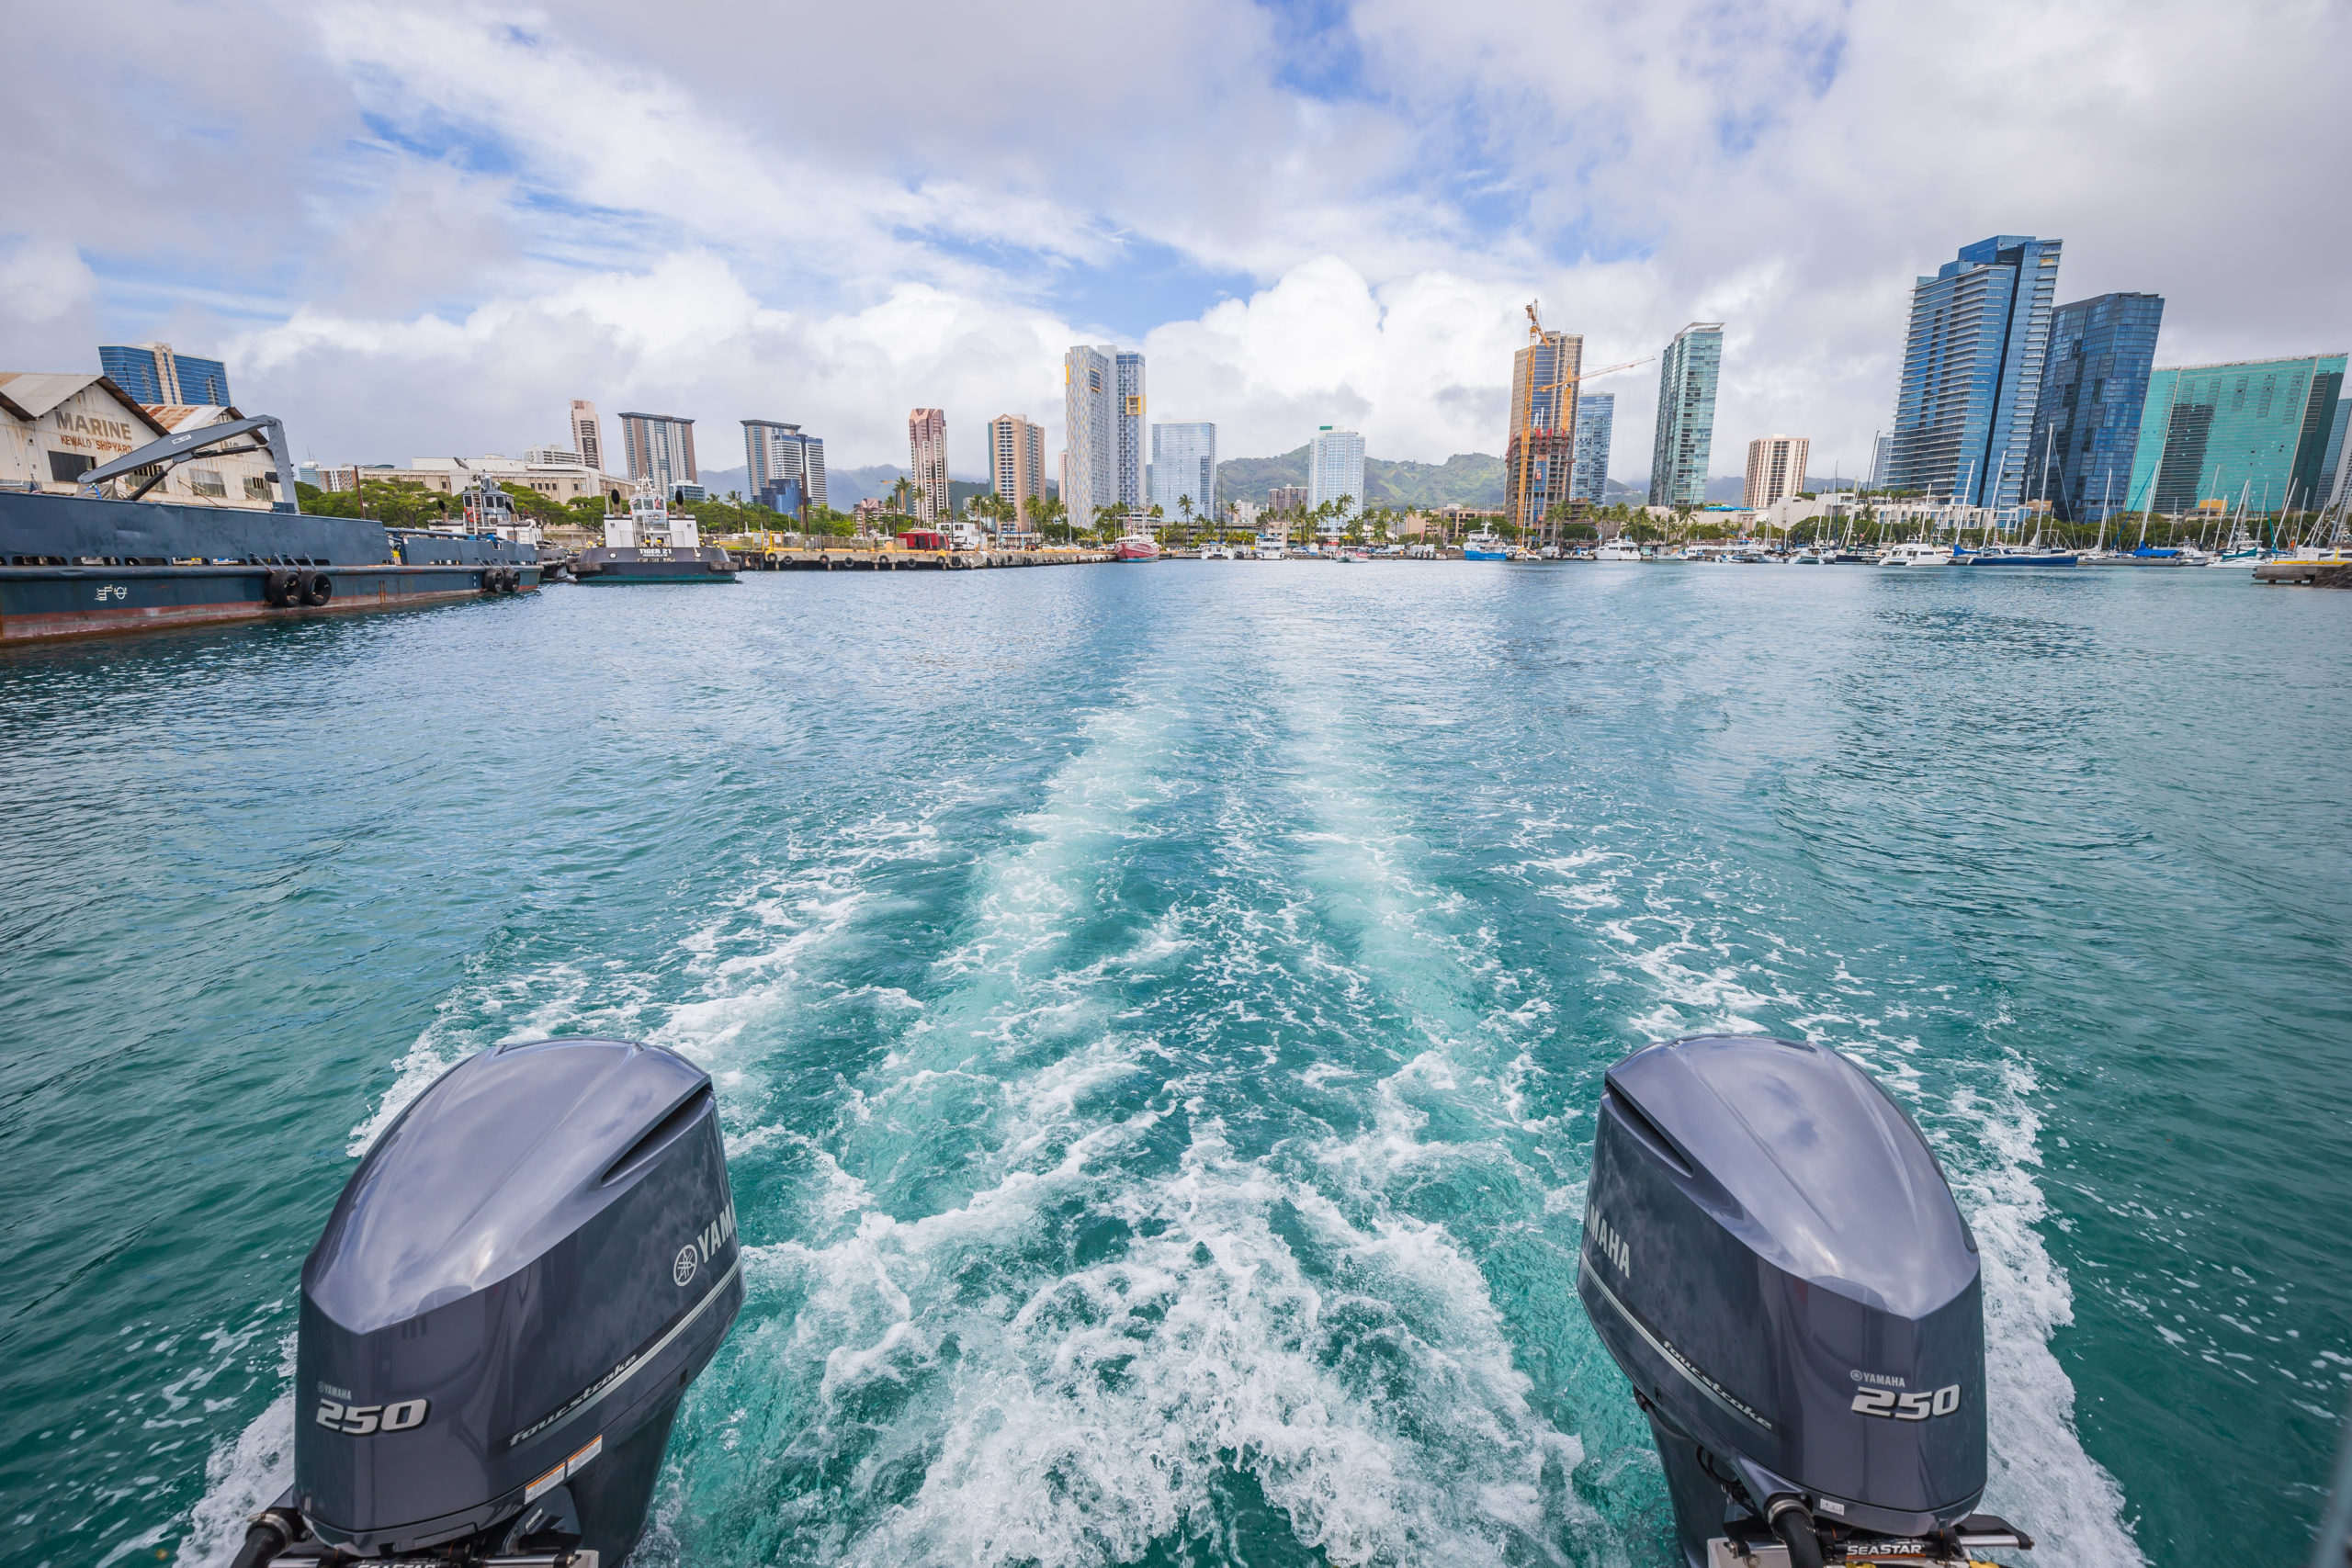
[1183,468]
[1089,432]
[1335,473]
[563,483]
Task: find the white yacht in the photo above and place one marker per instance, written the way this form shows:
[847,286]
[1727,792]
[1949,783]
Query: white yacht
[1916,554]
[1618,549]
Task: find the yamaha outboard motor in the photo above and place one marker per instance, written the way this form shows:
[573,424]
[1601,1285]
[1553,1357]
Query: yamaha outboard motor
[507,1304]
[1775,1260]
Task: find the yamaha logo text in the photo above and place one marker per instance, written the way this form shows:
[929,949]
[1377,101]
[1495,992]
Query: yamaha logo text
[1611,1245]
[697,1252]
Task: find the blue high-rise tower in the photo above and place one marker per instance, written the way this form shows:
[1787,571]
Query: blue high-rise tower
[2087,421]
[156,376]
[1972,373]
[1588,480]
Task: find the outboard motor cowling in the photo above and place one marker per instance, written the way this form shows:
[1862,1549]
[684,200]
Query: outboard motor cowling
[1774,1258]
[506,1306]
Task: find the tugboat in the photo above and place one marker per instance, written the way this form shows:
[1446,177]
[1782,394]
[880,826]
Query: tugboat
[1136,547]
[73,565]
[651,544]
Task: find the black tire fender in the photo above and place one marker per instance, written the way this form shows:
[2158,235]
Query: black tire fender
[317,588]
[278,587]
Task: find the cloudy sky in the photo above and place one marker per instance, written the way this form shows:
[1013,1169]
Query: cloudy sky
[422,229]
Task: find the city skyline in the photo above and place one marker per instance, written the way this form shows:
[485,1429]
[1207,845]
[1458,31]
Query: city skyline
[1315,253]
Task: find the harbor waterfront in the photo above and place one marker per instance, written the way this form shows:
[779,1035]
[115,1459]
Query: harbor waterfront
[1156,1018]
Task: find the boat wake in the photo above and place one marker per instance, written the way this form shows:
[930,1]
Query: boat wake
[1190,1164]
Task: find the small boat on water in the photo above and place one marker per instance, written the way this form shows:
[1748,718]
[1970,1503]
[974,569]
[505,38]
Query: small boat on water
[2020,555]
[651,544]
[2143,555]
[1917,553]
[1136,547]
[1485,546]
[1618,549]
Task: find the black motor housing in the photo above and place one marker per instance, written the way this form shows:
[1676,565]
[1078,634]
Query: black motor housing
[507,1304]
[1773,1257]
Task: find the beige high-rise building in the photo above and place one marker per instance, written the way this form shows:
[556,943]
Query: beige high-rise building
[661,447]
[1775,468]
[1539,449]
[1017,462]
[927,451]
[587,438]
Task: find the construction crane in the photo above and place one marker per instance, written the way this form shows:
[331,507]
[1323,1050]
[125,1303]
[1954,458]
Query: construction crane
[1612,370]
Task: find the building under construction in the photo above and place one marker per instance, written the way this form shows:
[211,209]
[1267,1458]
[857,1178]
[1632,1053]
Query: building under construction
[1539,453]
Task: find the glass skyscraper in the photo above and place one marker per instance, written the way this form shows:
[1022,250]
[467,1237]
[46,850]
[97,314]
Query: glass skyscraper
[1090,422]
[1972,373]
[2256,430]
[2094,389]
[1335,473]
[1595,412]
[1130,421]
[1687,375]
[158,377]
[779,459]
[1183,466]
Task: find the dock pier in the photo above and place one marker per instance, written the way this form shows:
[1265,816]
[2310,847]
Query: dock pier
[847,559]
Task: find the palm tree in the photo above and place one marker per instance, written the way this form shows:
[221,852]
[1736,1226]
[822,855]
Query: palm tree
[1184,506]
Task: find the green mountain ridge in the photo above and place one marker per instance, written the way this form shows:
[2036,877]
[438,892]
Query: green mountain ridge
[1466,479]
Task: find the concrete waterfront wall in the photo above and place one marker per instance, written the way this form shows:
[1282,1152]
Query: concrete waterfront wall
[847,559]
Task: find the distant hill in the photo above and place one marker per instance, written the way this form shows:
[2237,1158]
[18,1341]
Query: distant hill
[1466,479]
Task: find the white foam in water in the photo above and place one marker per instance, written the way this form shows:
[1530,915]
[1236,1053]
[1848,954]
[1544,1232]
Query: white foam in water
[1377,1404]
[241,1478]
[2042,1478]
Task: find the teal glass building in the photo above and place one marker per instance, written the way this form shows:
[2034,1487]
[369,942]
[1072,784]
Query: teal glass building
[1972,373]
[1687,375]
[2094,389]
[2256,430]
[1588,479]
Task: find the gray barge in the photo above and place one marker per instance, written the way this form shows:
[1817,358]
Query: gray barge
[75,564]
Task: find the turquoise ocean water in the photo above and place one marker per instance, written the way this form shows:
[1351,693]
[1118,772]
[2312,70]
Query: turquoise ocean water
[1158,1014]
